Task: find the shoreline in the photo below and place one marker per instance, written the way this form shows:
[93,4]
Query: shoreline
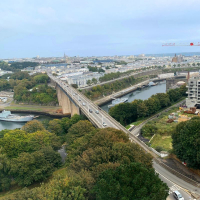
[107,99]
[34,109]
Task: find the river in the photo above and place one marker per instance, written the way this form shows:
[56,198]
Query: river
[14,125]
[143,94]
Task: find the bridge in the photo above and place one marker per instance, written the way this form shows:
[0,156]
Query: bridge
[72,101]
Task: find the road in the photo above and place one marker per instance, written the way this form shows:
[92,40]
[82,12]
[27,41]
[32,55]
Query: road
[91,110]
[176,184]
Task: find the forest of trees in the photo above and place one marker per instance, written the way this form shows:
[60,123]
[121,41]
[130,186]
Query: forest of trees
[186,142]
[30,155]
[17,66]
[127,113]
[100,164]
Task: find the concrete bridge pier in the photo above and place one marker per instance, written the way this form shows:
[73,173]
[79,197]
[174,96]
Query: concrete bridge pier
[68,107]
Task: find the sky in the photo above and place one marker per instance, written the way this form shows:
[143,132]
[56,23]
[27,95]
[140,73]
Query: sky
[97,27]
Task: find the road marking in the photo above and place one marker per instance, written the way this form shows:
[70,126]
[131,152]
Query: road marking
[173,188]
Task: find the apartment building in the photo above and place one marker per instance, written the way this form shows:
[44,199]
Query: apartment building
[193,92]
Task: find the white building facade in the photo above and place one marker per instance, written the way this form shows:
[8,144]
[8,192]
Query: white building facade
[193,99]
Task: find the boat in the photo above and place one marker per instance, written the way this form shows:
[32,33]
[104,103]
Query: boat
[117,101]
[152,84]
[7,116]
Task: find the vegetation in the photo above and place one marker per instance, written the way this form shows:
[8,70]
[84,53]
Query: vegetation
[186,142]
[129,112]
[101,164]
[17,66]
[109,88]
[95,69]
[30,155]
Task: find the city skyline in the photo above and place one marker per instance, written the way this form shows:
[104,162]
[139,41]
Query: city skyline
[100,28]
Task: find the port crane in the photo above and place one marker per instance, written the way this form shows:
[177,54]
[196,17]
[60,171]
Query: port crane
[186,44]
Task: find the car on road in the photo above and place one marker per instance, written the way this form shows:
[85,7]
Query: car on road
[97,111]
[90,110]
[177,195]
[79,99]
[83,104]
[73,94]
[104,124]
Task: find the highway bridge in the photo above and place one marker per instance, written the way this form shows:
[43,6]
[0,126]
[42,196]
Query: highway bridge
[98,117]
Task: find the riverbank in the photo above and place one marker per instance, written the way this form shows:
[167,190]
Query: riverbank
[107,99]
[34,109]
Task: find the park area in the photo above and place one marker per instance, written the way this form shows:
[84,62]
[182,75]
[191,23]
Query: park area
[159,130]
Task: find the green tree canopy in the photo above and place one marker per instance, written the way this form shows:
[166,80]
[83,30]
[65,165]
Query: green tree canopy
[128,182]
[33,126]
[186,142]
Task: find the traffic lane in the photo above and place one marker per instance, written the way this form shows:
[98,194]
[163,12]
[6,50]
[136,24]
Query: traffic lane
[173,187]
[175,179]
[99,117]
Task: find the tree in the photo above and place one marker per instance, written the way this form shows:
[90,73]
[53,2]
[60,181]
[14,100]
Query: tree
[149,129]
[56,127]
[5,179]
[60,187]
[41,78]
[125,113]
[186,142]
[94,80]
[174,94]
[163,99]
[28,168]
[74,86]
[88,82]
[142,109]
[78,130]
[132,181]
[33,126]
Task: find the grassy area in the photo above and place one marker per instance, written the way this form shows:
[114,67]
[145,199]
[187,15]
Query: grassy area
[23,108]
[139,120]
[162,141]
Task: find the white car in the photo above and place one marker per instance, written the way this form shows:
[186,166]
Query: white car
[104,124]
[83,104]
[177,195]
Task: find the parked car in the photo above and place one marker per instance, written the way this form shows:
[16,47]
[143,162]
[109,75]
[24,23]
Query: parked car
[177,195]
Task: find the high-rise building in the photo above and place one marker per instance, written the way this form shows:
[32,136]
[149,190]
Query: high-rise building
[193,99]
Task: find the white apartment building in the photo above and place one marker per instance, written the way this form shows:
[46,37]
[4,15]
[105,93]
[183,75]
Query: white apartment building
[193,99]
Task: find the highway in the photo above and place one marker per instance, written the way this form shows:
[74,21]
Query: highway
[92,111]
